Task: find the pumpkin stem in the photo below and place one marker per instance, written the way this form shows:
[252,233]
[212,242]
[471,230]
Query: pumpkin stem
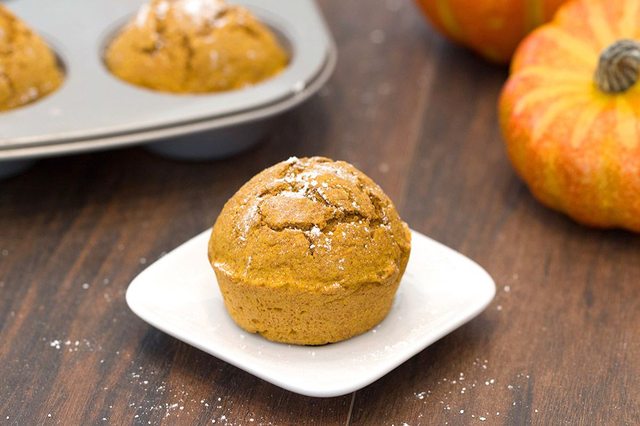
[619,66]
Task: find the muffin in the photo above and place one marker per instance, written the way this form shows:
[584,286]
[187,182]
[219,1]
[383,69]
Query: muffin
[309,251]
[194,46]
[28,68]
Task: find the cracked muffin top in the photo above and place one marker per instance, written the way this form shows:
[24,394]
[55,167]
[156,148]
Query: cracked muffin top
[194,46]
[28,68]
[310,223]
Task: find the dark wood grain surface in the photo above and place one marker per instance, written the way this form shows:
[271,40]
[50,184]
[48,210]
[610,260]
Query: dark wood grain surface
[559,345]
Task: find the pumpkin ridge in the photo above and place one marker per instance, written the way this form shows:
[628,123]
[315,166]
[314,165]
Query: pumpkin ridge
[602,32]
[585,122]
[551,183]
[635,108]
[567,76]
[625,123]
[538,167]
[546,93]
[606,178]
[628,21]
[568,43]
[551,114]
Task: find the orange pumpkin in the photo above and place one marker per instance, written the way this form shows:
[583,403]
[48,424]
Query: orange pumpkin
[493,28]
[570,112]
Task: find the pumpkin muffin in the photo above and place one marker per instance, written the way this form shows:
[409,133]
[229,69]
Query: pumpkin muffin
[28,68]
[194,46]
[310,251]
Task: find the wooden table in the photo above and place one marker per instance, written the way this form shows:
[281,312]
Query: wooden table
[559,345]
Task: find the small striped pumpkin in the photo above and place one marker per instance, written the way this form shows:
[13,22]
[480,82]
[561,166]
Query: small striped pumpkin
[570,112]
[492,28]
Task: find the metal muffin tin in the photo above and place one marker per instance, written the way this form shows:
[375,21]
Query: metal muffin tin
[94,110]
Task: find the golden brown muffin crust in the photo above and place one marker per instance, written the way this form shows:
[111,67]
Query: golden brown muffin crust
[28,68]
[310,222]
[194,46]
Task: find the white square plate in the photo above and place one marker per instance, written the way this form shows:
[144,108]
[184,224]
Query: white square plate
[440,291]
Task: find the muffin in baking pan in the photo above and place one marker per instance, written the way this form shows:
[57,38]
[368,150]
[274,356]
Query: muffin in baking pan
[195,46]
[29,69]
